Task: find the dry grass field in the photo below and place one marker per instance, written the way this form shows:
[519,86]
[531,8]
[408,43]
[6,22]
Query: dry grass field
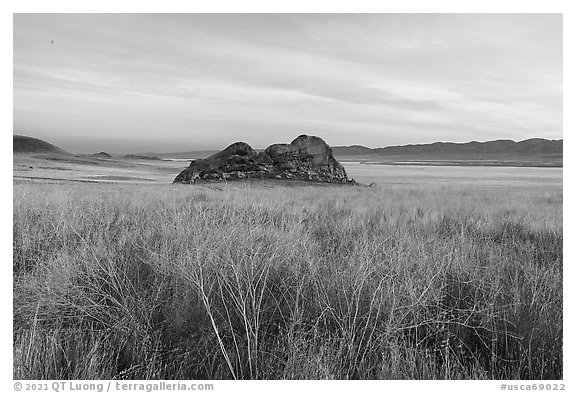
[250,280]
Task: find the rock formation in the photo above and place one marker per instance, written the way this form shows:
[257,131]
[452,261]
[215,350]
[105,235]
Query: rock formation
[306,158]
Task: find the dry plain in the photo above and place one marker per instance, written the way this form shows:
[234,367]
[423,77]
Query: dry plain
[433,273]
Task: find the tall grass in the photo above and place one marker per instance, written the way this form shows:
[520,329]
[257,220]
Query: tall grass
[148,282]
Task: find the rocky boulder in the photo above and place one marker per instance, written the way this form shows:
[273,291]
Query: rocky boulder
[306,158]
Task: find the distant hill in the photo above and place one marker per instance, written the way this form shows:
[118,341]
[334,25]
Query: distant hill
[102,154]
[25,144]
[141,157]
[533,146]
[184,154]
[354,150]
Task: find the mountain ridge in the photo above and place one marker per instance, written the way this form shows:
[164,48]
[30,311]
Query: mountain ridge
[533,149]
[499,146]
[488,147]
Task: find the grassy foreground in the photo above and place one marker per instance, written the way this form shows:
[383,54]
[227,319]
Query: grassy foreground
[181,282]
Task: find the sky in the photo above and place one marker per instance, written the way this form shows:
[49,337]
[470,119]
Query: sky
[181,82]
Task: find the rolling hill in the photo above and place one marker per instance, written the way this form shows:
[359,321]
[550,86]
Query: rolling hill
[502,146]
[102,154]
[25,145]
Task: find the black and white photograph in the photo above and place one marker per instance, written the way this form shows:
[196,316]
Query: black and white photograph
[287,196]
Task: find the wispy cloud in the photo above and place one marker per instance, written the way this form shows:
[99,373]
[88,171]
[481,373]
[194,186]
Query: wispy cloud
[200,81]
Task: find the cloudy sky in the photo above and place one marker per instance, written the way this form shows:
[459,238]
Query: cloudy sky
[176,82]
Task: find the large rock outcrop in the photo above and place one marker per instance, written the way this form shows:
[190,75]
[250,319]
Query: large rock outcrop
[306,158]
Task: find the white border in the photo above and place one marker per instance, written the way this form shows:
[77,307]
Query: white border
[306,6]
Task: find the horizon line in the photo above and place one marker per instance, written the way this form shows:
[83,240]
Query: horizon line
[332,146]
